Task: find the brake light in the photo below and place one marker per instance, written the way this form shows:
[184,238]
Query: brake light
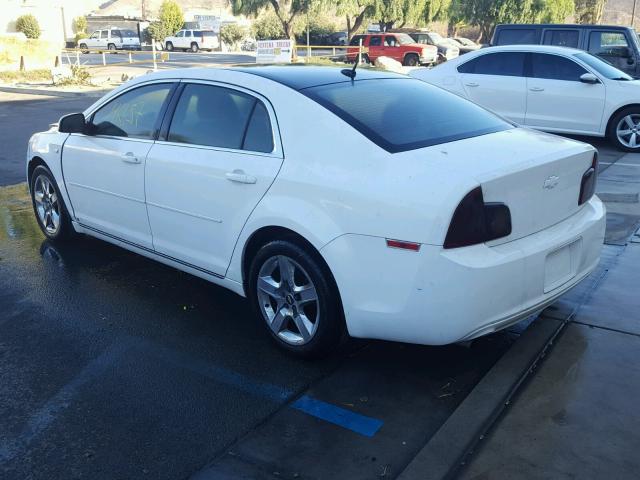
[475,221]
[589,180]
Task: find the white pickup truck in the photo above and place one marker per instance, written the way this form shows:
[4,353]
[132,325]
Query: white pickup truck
[111,39]
[192,40]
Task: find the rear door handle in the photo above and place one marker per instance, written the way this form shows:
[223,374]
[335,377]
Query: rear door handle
[537,89]
[129,157]
[472,84]
[240,177]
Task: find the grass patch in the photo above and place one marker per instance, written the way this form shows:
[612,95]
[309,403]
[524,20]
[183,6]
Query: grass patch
[26,76]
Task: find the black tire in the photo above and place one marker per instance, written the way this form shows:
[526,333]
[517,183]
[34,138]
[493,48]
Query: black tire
[411,60]
[194,47]
[111,47]
[65,230]
[330,329]
[169,47]
[84,48]
[612,131]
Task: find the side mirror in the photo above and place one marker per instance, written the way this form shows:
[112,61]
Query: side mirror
[72,123]
[589,78]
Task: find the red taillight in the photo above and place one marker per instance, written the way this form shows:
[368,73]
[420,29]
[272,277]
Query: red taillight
[403,245]
[475,221]
[589,180]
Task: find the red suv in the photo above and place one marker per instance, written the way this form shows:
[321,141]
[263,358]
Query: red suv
[399,46]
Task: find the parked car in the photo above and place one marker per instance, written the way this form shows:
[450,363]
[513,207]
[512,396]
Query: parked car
[616,45]
[111,39]
[398,46]
[192,40]
[379,221]
[465,45]
[338,39]
[555,89]
[447,49]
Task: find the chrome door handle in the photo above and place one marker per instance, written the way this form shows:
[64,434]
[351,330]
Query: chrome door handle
[537,89]
[240,177]
[472,84]
[129,158]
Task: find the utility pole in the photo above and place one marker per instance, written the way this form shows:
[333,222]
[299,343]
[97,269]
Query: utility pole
[633,14]
[143,10]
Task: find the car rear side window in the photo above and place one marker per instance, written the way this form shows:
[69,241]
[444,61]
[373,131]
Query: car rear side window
[405,114]
[555,67]
[133,114]
[562,38]
[217,117]
[259,136]
[375,41]
[517,36]
[355,41]
[510,64]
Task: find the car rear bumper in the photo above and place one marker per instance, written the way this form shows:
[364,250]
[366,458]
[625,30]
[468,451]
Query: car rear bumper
[437,296]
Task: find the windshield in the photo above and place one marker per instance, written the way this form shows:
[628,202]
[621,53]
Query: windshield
[407,114]
[436,37]
[404,39]
[602,67]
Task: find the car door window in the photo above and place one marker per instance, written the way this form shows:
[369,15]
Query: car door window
[180,34]
[259,136]
[355,41]
[517,36]
[610,44]
[133,114]
[390,41]
[375,41]
[212,116]
[509,64]
[555,67]
[562,38]
[95,35]
[104,34]
[187,33]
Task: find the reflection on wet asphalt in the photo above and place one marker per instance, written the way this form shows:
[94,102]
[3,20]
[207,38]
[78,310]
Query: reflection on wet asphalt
[115,366]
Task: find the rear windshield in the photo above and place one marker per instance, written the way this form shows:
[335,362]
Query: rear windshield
[405,114]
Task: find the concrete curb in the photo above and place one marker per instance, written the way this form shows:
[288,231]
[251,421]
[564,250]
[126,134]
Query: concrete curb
[54,93]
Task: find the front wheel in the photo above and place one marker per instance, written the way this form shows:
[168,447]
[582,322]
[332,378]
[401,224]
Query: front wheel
[194,48]
[84,48]
[169,47]
[411,60]
[51,213]
[296,299]
[111,47]
[624,130]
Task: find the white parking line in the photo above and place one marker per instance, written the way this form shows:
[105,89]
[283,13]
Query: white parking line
[621,164]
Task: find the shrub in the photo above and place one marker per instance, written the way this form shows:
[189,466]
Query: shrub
[268,27]
[231,34]
[28,24]
[80,25]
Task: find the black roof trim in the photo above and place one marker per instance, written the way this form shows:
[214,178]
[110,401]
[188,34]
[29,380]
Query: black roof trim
[302,76]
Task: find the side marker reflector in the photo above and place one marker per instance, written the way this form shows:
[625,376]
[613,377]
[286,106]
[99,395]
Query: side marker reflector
[414,247]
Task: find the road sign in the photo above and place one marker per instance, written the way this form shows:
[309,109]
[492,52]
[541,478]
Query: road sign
[274,51]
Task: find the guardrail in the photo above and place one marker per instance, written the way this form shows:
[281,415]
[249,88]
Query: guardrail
[157,56]
[333,48]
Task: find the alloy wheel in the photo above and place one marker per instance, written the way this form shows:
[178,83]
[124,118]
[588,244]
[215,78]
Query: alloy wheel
[288,300]
[47,204]
[628,130]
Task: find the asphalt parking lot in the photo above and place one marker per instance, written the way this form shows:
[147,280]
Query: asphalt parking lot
[115,366]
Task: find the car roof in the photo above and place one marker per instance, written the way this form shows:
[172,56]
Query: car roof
[300,77]
[530,48]
[561,25]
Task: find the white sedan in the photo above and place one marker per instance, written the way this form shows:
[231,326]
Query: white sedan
[549,88]
[381,207]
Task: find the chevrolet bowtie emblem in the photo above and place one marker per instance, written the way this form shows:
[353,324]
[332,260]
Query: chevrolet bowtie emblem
[551,182]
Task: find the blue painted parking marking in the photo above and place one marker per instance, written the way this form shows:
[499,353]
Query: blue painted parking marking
[342,417]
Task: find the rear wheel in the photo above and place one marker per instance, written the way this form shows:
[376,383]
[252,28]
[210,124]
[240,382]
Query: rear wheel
[51,213]
[624,129]
[169,46]
[194,47]
[296,299]
[411,60]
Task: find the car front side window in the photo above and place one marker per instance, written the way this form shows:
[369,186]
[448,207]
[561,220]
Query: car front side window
[555,67]
[133,114]
[374,42]
[221,117]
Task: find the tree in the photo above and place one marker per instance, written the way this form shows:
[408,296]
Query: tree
[589,11]
[231,34]
[268,27]
[28,24]
[286,11]
[355,12]
[170,20]
[388,13]
[80,24]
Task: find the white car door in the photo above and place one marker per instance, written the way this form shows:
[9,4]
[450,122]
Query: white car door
[558,100]
[94,40]
[179,40]
[208,171]
[104,169]
[497,82]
